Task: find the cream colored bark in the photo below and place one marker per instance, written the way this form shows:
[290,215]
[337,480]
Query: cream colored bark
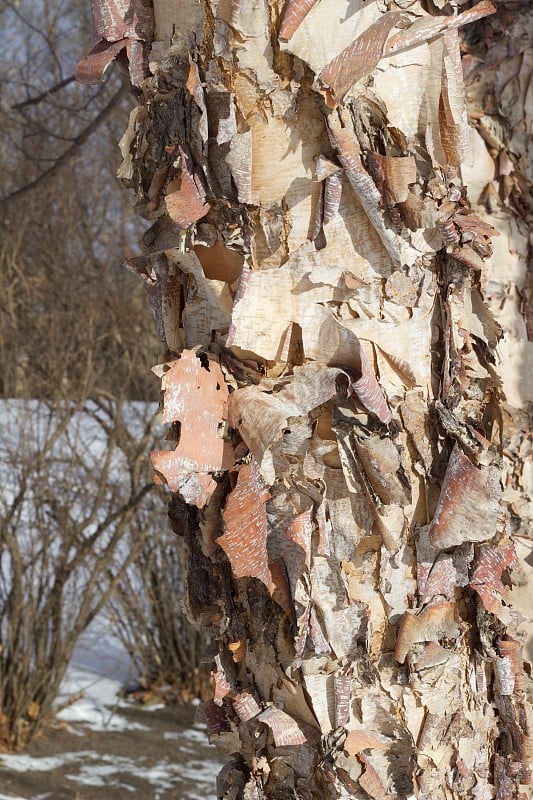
[347,383]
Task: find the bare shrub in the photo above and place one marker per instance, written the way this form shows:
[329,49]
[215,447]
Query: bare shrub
[73,517]
[77,503]
[146,612]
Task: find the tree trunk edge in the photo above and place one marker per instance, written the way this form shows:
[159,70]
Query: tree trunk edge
[350,552]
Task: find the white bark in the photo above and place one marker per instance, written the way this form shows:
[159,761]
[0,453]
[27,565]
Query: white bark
[351,500]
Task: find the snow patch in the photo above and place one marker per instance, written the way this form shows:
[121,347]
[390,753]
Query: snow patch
[99,669]
[97,708]
[13,797]
[164,774]
[23,763]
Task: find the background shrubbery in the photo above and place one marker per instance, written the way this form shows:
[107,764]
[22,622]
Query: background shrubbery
[80,518]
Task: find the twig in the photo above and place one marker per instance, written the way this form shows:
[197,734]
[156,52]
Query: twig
[71,699]
[53,89]
[67,155]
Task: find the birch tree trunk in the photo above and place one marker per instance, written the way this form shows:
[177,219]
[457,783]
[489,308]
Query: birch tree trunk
[346,377]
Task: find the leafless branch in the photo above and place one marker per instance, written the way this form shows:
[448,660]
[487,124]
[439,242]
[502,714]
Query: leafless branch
[72,150]
[44,95]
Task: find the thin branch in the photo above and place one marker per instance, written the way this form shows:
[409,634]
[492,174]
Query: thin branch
[53,89]
[36,30]
[72,150]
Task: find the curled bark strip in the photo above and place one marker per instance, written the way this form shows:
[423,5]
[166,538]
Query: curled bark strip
[244,539]
[342,688]
[108,18]
[503,676]
[468,256]
[137,53]
[392,176]
[92,68]
[516,712]
[219,678]
[453,117]
[327,207]
[436,621]
[185,198]
[368,392]
[512,650]
[317,235]
[118,24]
[285,729]
[425,29]
[246,706]
[469,503]
[285,346]
[473,224]
[449,232]
[332,196]
[364,187]
[294,13]
[359,58]
[116,19]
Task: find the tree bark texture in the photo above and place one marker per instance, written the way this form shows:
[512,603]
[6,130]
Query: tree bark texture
[336,264]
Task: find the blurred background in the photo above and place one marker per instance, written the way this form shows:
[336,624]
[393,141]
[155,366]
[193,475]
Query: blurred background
[88,566]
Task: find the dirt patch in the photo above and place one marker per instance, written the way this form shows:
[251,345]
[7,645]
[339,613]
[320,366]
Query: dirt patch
[160,754]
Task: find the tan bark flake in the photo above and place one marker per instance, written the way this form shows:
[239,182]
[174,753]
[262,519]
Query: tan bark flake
[469,504]
[244,539]
[360,58]
[201,449]
[437,621]
[285,729]
[185,197]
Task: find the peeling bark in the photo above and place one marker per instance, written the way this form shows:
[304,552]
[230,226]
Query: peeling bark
[338,245]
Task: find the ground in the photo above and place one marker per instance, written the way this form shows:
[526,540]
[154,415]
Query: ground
[157,755]
[104,747]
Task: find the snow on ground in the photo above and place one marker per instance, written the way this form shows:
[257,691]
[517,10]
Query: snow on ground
[105,742]
[99,669]
[97,710]
[24,763]
[93,772]
[37,797]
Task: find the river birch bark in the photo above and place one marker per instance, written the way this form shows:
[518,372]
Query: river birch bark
[336,264]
